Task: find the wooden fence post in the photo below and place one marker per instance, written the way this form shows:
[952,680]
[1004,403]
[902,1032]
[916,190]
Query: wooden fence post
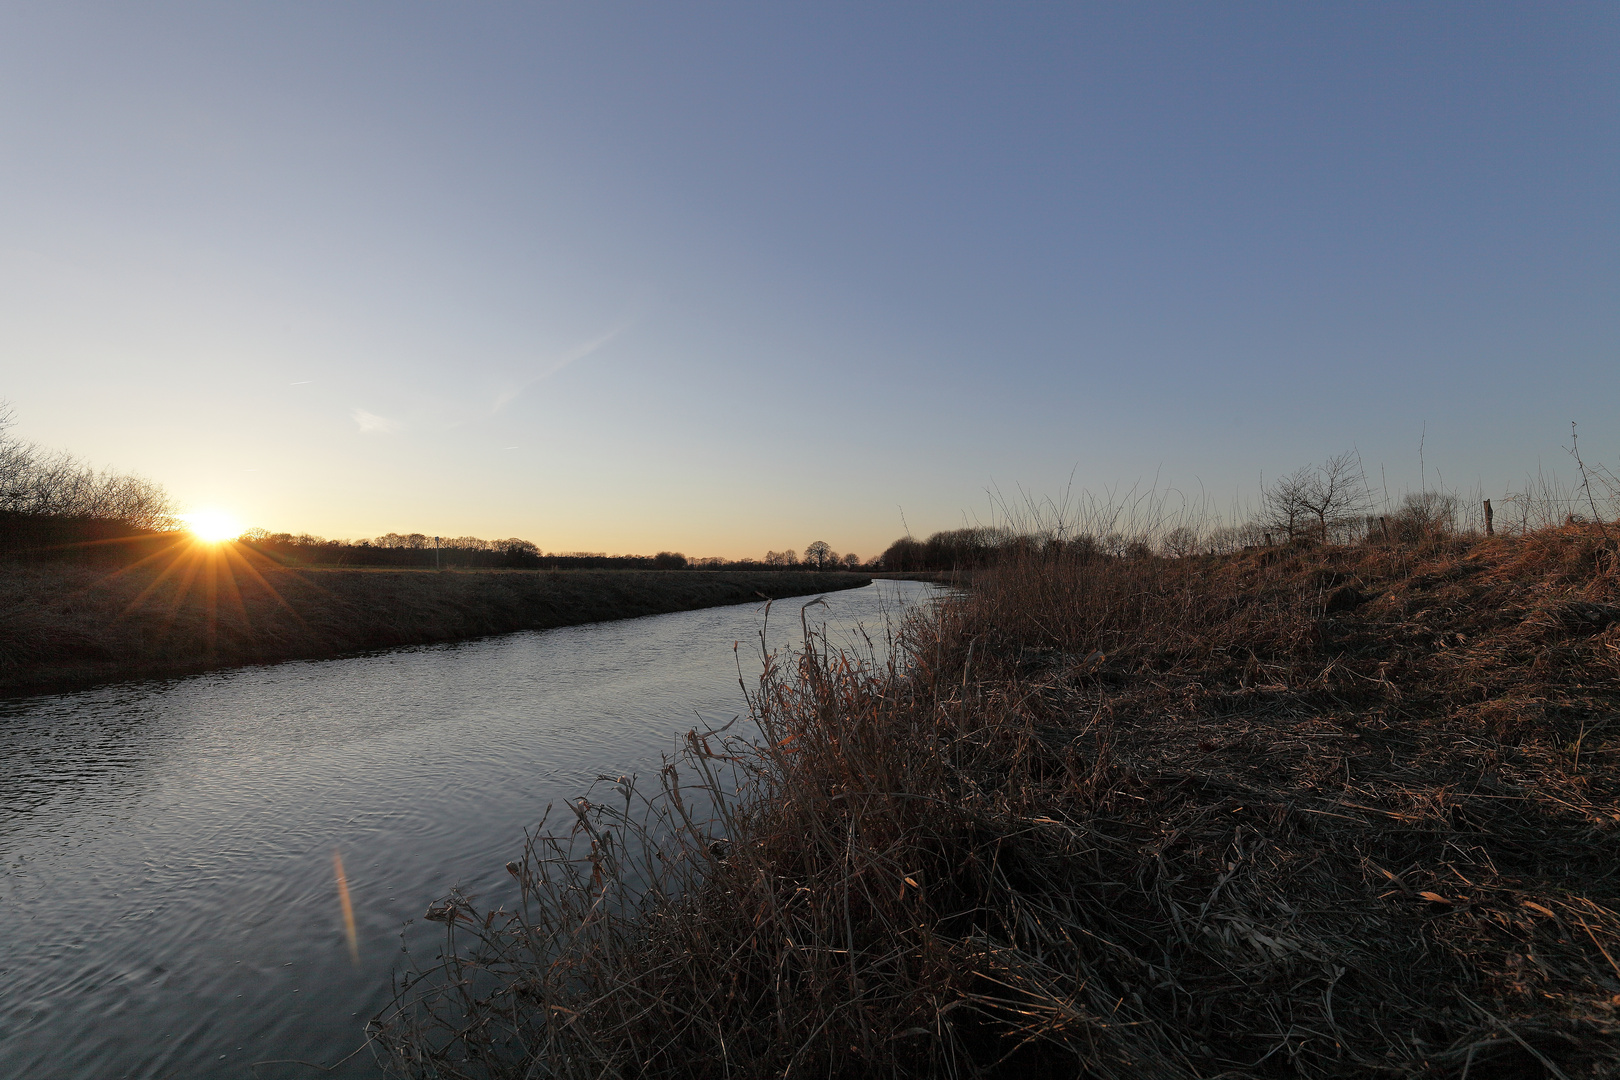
[1490,529]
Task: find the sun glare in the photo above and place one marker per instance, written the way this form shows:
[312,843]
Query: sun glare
[212,526]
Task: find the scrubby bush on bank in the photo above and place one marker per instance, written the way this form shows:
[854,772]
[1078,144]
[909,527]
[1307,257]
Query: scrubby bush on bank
[51,503]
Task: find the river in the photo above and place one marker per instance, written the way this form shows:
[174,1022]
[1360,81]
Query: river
[167,882]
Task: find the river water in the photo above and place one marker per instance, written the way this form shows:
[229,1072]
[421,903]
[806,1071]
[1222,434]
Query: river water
[168,896]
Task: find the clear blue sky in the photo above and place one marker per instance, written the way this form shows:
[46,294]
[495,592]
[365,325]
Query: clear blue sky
[722,278]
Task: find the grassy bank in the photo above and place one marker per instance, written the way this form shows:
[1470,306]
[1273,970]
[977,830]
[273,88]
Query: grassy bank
[194,609]
[1313,812]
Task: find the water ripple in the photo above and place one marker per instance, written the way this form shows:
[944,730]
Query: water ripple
[165,847]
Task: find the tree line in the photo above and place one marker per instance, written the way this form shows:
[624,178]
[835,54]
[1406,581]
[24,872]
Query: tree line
[421,550]
[52,503]
[818,555]
[53,483]
[49,498]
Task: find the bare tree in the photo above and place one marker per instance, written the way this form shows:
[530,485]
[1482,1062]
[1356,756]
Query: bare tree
[15,458]
[1284,500]
[1338,494]
[1113,543]
[42,483]
[1225,539]
[851,560]
[1180,542]
[1318,500]
[516,547]
[819,554]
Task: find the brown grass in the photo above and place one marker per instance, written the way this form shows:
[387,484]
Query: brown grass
[1319,813]
[190,609]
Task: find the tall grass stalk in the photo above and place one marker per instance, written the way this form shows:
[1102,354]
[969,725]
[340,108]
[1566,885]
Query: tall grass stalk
[1303,812]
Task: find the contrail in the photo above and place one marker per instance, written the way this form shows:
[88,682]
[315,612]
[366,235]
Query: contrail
[579,352]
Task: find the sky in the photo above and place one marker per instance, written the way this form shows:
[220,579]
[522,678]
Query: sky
[722,278]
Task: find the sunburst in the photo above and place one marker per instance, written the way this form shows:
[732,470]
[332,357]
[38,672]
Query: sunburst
[212,526]
[208,558]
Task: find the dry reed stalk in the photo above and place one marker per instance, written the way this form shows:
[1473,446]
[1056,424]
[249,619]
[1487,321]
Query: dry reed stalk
[1323,813]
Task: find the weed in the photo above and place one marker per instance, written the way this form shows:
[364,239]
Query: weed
[1324,812]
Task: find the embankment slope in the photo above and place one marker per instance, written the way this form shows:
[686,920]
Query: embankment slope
[68,626]
[1316,813]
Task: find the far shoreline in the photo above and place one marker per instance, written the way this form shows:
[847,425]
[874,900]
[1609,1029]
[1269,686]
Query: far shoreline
[72,627]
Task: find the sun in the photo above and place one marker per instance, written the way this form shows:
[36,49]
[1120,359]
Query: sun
[212,526]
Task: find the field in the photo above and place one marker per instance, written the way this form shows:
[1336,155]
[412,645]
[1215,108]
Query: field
[70,624]
[1301,811]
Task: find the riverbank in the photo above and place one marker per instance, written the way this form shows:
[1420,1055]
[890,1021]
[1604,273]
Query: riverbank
[69,626]
[1323,812]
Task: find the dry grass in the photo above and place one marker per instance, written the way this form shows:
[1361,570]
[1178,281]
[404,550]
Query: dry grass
[1319,813]
[191,609]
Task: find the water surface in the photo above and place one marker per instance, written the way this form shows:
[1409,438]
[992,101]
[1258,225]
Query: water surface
[166,875]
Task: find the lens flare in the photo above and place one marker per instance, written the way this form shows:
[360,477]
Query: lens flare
[212,526]
[348,908]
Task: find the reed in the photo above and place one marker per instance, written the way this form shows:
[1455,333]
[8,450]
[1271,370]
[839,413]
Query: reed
[1306,811]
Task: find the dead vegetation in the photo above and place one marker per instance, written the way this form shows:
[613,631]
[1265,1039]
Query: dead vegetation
[1308,811]
[192,607]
